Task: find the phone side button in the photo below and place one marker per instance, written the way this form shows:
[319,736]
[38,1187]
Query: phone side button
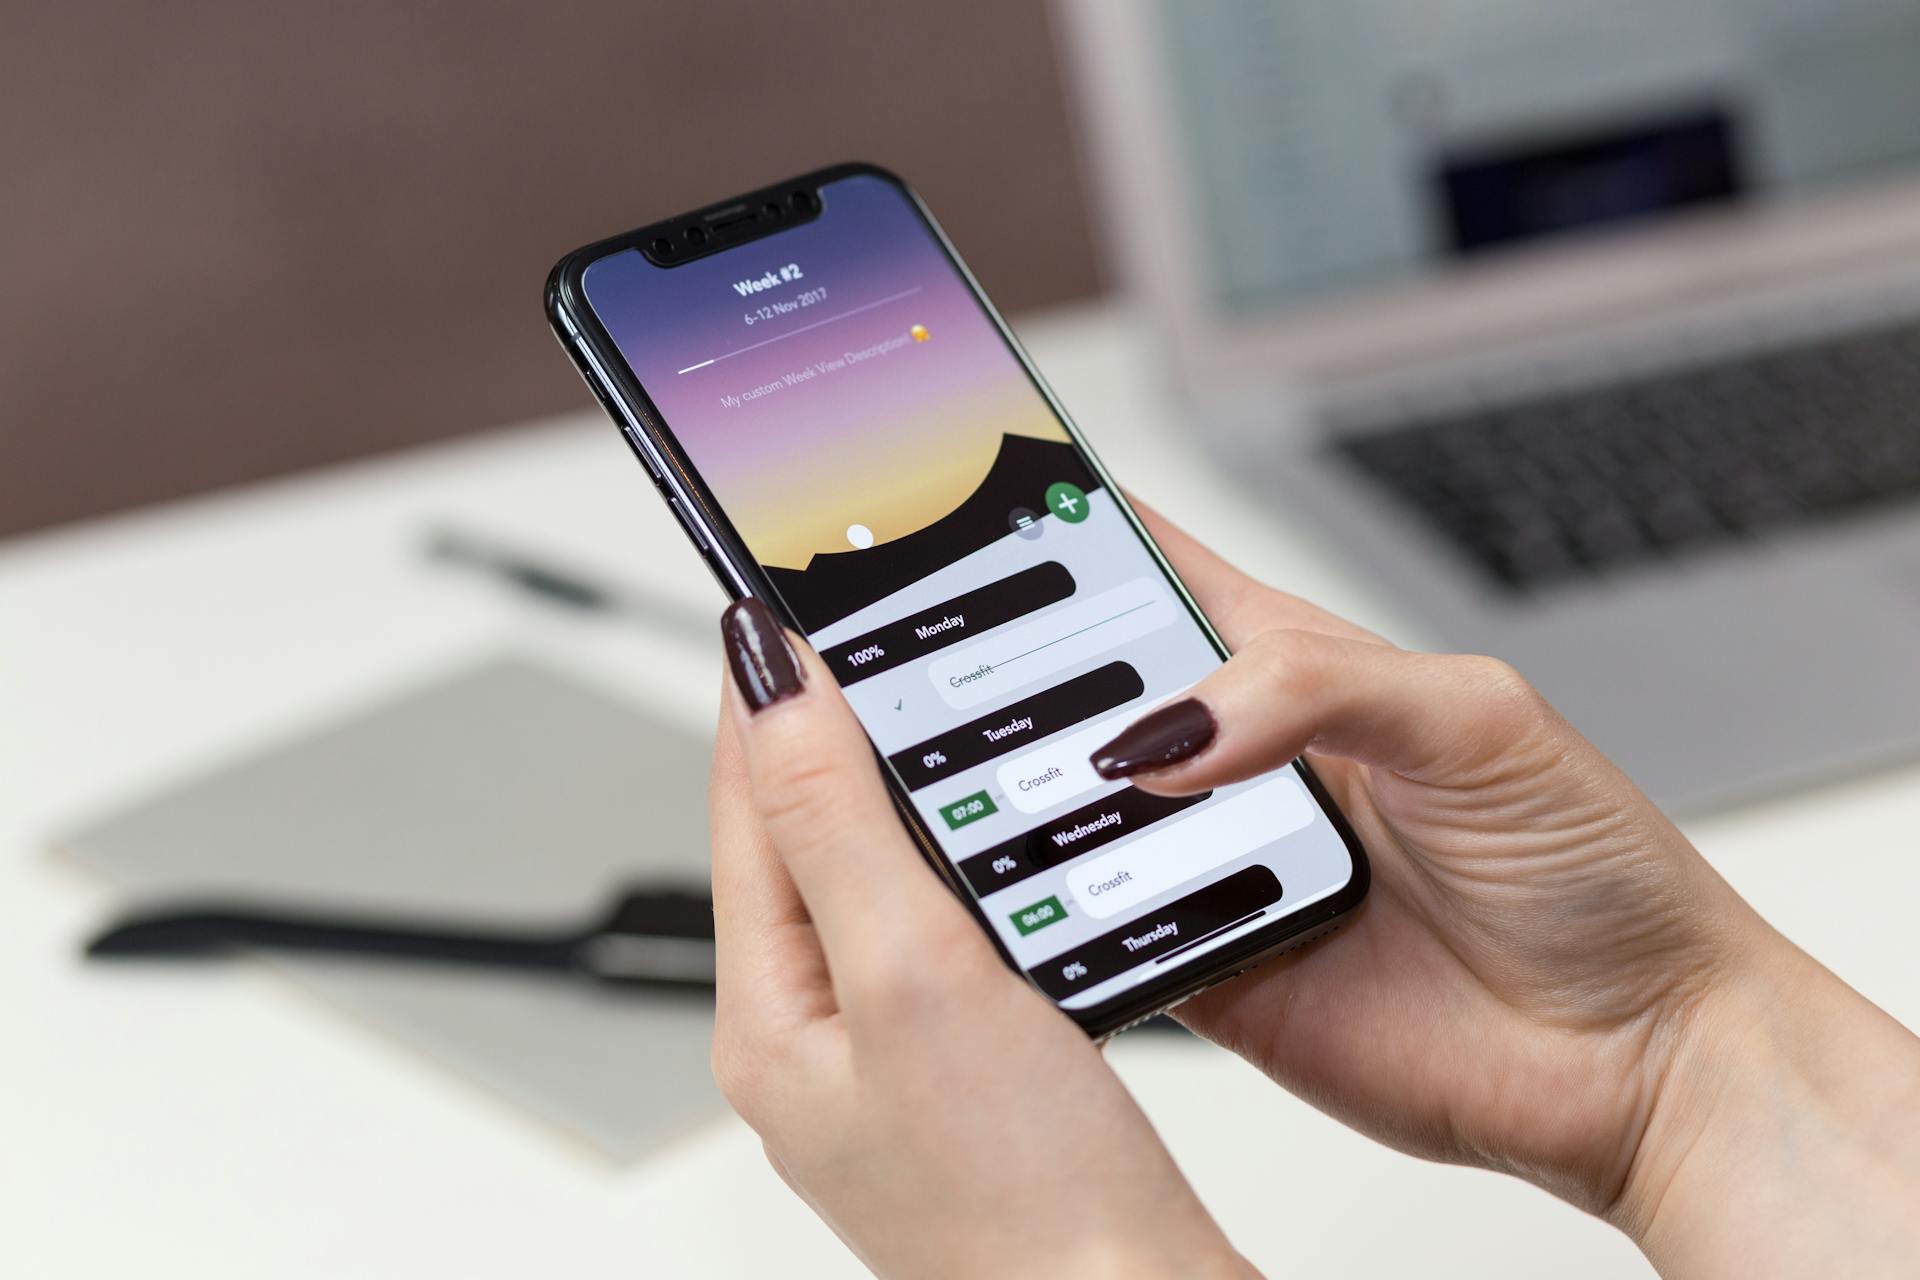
[686,522]
[640,451]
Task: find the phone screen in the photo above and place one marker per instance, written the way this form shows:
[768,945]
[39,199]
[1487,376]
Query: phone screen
[991,614]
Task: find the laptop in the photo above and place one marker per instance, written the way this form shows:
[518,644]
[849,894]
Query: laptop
[1590,333]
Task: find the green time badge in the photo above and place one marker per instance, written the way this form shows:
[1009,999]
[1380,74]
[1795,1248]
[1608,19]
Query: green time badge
[1038,916]
[972,809]
[1068,501]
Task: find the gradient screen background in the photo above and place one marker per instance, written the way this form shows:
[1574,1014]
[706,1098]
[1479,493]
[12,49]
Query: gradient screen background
[892,442]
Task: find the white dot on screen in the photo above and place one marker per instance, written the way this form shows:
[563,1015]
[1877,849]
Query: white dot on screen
[860,536]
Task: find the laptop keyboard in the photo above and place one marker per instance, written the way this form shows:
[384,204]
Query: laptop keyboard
[1658,464]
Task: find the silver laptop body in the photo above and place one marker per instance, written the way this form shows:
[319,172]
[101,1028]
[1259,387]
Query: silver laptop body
[1352,224]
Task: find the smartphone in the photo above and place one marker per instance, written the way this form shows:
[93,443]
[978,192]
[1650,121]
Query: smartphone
[847,429]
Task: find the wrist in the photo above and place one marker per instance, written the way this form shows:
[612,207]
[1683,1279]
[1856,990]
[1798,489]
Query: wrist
[1785,1135]
[1116,1261]
[1191,1246]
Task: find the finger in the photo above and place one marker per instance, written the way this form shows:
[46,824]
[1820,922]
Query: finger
[1240,607]
[1435,718]
[820,799]
[767,965]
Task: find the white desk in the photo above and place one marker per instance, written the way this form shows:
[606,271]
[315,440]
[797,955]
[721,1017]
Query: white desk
[218,1124]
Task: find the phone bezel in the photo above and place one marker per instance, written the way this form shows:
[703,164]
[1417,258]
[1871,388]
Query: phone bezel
[620,392]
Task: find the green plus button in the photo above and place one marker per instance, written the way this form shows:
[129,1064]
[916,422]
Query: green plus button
[972,809]
[1038,916]
[1068,501]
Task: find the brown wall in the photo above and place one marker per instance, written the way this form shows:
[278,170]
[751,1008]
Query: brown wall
[241,238]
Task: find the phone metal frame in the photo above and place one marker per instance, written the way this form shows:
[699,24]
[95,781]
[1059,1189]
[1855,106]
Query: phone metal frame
[619,392]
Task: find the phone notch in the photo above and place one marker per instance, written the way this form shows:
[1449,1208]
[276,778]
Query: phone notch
[727,226]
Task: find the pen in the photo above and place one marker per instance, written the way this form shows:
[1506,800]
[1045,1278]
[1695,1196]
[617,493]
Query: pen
[547,583]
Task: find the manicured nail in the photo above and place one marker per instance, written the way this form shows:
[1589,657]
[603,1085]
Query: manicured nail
[1178,731]
[762,661]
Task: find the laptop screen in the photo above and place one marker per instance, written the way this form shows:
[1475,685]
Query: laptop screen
[1338,145]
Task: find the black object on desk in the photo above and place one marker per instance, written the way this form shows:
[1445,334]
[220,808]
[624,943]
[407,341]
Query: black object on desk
[652,938]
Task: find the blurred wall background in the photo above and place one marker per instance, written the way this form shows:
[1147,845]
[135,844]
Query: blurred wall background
[245,238]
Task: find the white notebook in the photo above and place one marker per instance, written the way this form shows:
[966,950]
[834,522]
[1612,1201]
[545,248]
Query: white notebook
[509,794]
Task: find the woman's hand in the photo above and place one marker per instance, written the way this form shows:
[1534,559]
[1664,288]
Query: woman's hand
[1546,978]
[934,1109]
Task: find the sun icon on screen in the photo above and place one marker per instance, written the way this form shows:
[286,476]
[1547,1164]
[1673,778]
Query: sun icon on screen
[919,333]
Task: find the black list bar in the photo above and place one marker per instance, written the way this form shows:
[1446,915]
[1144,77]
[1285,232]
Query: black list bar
[1070,835]
[1017,725]
[1174,927]
[948,623]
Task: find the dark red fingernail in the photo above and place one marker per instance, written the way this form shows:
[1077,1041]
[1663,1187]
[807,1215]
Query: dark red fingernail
[1178,731]
[763,664]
